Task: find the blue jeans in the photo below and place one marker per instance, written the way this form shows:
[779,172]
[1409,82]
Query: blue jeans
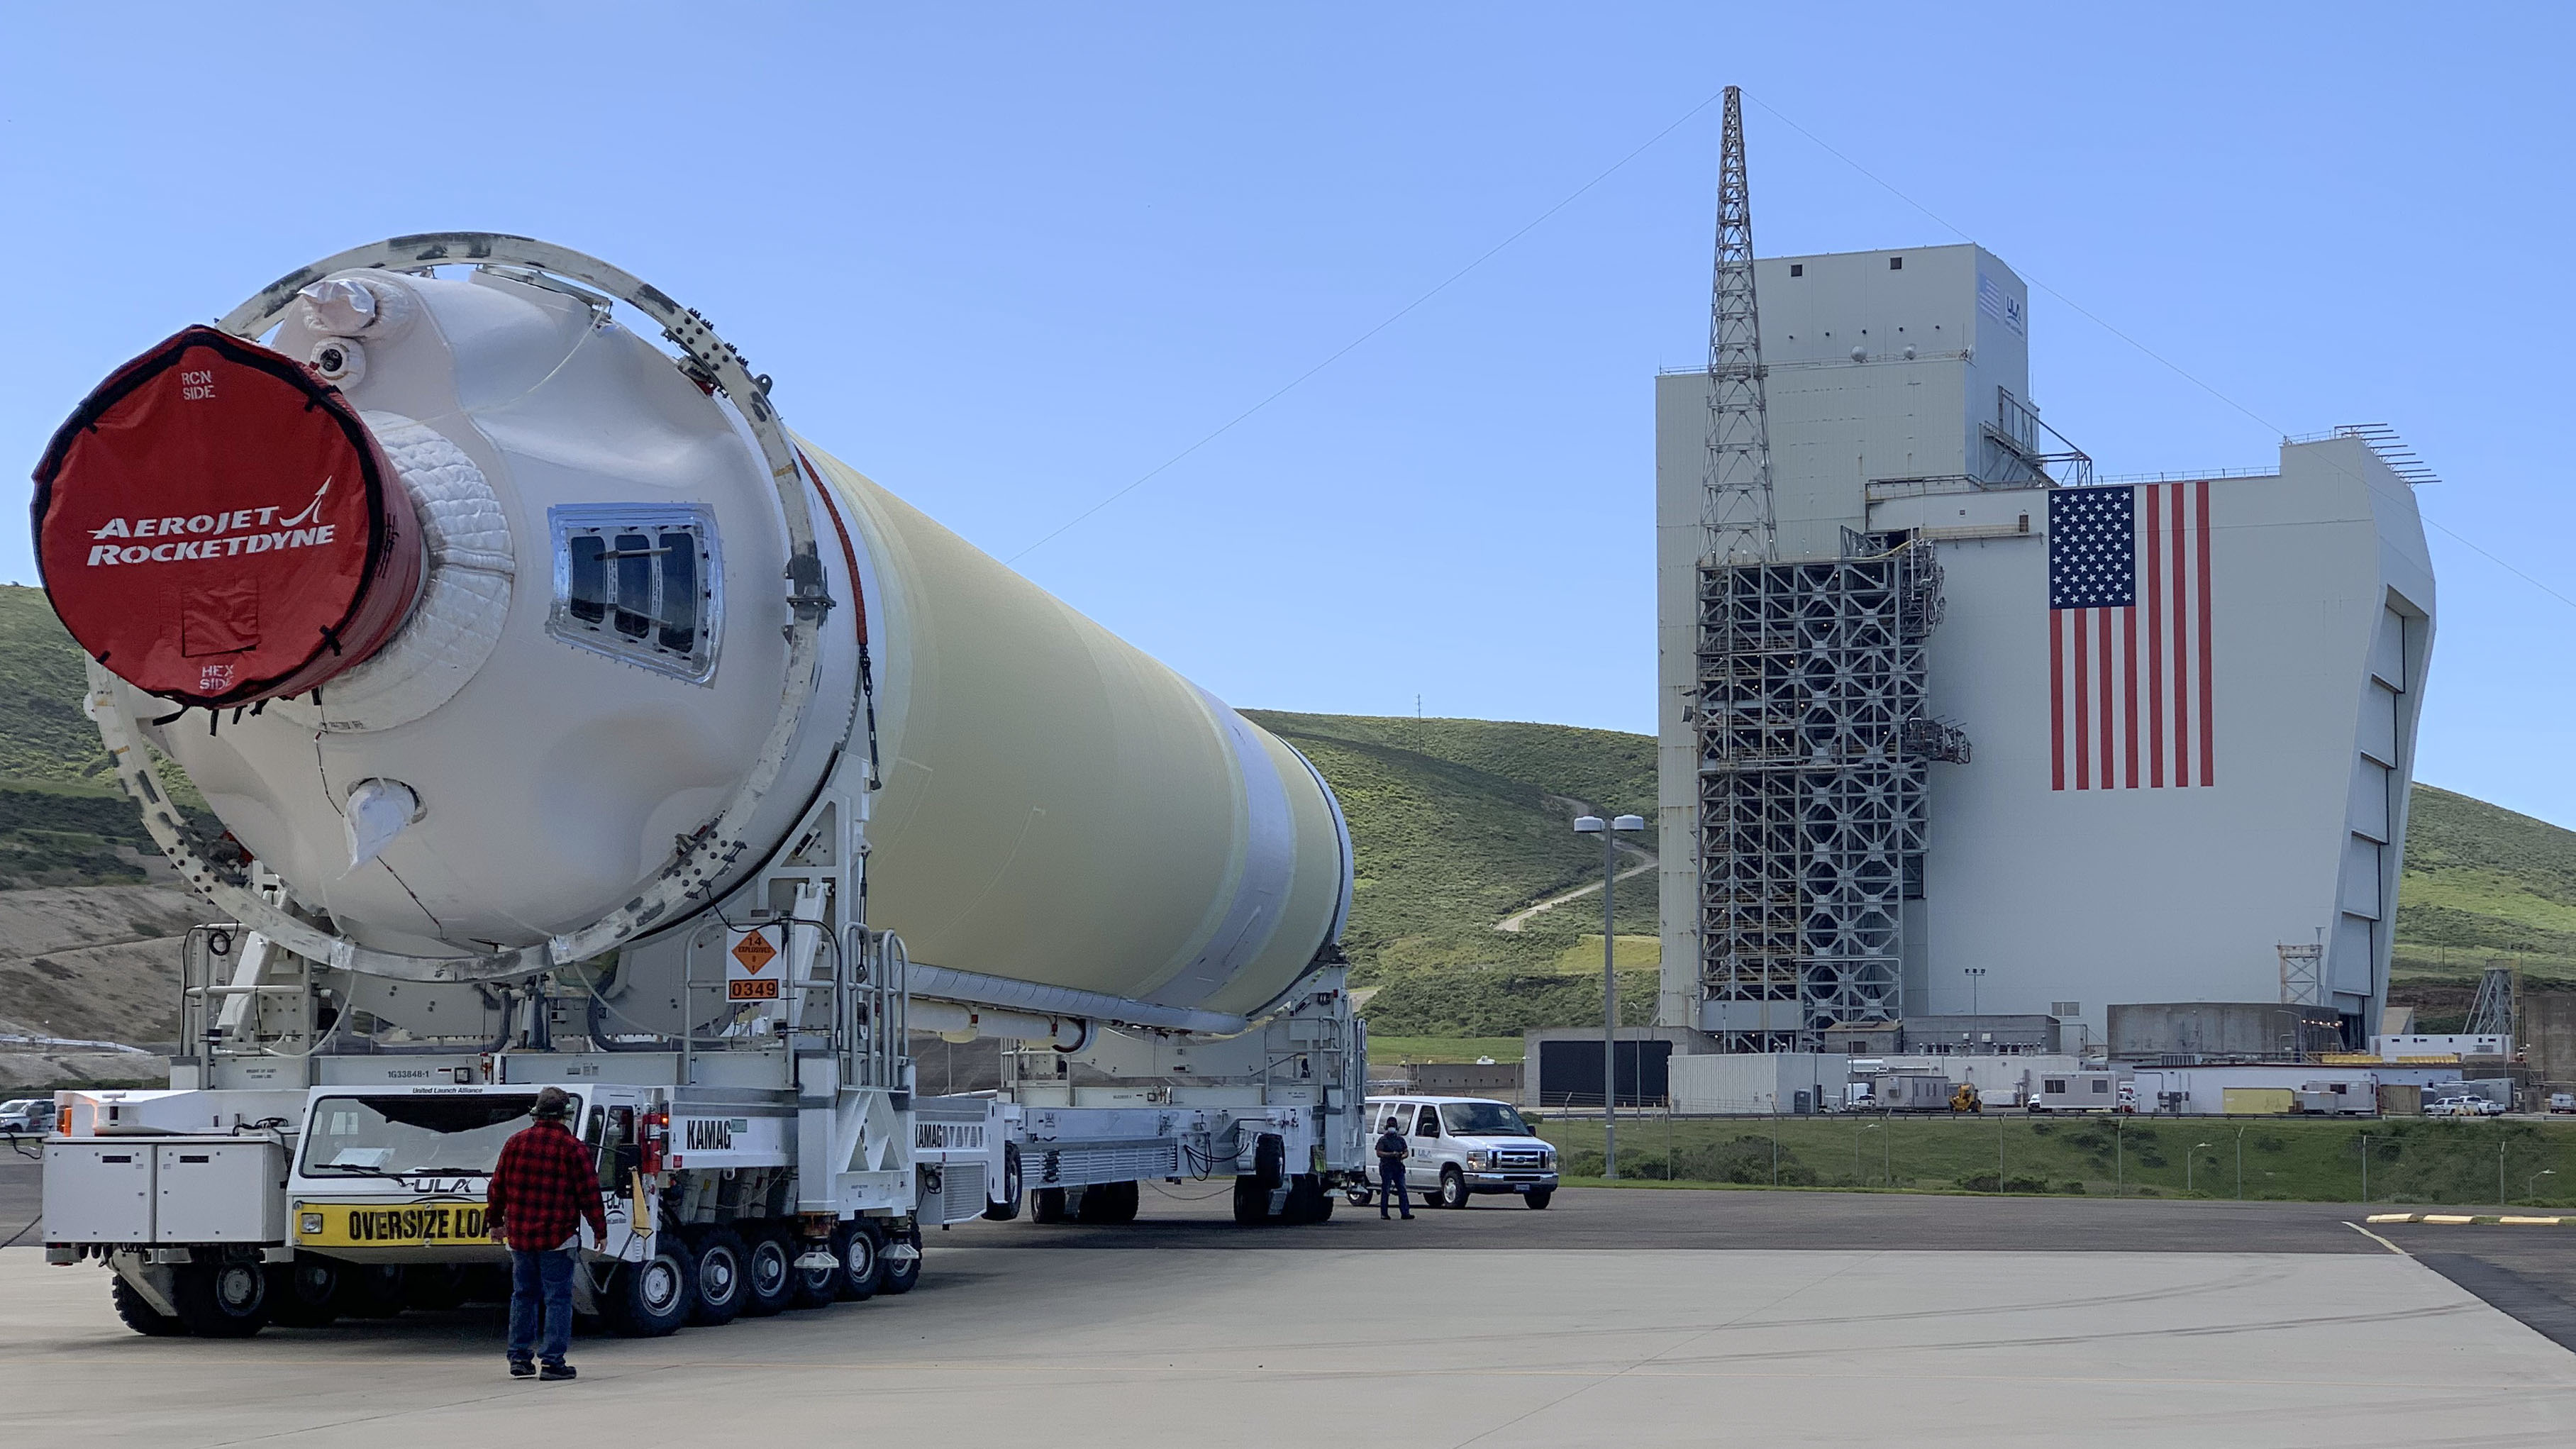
[1390,1190]
[542,1279]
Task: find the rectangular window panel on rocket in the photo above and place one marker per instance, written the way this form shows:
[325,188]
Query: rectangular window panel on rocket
[639,583]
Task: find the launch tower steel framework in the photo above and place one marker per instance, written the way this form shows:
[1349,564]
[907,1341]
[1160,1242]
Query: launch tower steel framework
[1812,748]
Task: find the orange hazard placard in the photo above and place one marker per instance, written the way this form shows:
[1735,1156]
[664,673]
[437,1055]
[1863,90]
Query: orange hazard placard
[748,955]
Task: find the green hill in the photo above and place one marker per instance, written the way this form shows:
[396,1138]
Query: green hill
[1455,823]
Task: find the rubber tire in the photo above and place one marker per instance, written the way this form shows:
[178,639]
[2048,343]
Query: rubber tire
[1308,1202]
[1009,1207]
[221,1300]
[903,1277]
[433,1287]
[1453,1188]
[1538,1197]
[768,1277]
[1046,1205]
[1358,1195]
[813,1287]
[1109,1203]
[724,1271]
[369,1290]
[857,1244]
[1251,1202]
[304,1293]
[139,1315]
[650,1299]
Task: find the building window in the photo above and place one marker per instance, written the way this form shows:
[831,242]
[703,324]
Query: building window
[1896,264]
[1797,269]
[641,582]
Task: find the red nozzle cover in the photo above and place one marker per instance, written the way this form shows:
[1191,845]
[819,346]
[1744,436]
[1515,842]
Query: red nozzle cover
[216,526]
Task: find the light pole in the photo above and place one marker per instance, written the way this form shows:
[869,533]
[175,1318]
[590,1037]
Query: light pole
[1974,974]
[1593,825]
[2187,1164]
[2531,1189]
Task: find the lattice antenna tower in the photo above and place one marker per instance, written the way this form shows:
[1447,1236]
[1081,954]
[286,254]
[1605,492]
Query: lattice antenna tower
[1735,514]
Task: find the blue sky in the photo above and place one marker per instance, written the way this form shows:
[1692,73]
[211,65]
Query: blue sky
[1009,260]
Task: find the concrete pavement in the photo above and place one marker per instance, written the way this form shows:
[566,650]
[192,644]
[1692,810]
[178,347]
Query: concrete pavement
[1245,1339]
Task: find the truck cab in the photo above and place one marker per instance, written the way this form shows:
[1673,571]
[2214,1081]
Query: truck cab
[1460,1147]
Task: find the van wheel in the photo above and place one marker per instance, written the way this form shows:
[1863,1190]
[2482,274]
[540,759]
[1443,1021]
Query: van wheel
[433,1287]
[222,1300]
[141,1316]
[653,1298]
[768,1279]
[300,1293]
[900,1274]
[1538,1197]
[857,1245]
[1453,1188]
[723,1271]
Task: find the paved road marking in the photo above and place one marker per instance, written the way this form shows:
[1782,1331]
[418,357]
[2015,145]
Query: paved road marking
[2376,1238]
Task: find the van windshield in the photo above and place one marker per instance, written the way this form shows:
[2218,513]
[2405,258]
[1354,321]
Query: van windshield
[1482,1119]
[401,1136]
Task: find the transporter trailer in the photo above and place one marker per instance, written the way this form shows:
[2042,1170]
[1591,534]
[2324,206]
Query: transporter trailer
[571,722]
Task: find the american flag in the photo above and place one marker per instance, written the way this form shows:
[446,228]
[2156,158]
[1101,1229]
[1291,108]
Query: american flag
[2128,638]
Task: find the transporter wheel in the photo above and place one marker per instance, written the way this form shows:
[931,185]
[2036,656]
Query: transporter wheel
[1009,1207]
[140,1316]
[434,1287]
[303,1293]
[222,1300]
[1046,1205]
[899,1273]
[1109,1202]
[813,1287]
[1308,1202]
[1251,1201]
[653,1298]
[1538,1197]
[369,1290]
[857,1245]
[768,1279]
[724,1274]
[1453,1189]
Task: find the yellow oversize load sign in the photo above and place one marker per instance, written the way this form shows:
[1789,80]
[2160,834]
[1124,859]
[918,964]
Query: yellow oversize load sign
[389,1225]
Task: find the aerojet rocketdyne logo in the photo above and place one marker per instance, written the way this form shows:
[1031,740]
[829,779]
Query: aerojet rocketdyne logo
[212,535]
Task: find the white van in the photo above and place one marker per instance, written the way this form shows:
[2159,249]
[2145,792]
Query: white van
[1463,1146]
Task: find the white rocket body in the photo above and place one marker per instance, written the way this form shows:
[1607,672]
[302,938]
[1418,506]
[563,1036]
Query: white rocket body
[597,654]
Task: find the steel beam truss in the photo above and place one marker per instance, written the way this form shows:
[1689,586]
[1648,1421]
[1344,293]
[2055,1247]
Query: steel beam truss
[1736,522]
[1813,745]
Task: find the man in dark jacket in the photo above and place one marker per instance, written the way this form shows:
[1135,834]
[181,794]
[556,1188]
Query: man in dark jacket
[1391,1152]
[543,1188]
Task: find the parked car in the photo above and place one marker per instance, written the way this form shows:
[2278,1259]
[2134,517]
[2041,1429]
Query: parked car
[2465,1107]
[1464,1146]
[2562,1101]
[27,1115]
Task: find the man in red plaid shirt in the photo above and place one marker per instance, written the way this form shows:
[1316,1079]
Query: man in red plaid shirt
[543,1188]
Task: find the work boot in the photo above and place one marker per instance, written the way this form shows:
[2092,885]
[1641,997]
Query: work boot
[553,1372]
[521,1368]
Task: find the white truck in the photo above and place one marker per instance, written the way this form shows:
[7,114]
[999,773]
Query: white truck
[571,723]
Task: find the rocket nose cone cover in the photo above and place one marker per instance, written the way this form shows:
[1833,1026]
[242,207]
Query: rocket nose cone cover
[216,526]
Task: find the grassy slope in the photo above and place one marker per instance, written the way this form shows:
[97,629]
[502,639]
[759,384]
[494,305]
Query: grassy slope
[1455,823]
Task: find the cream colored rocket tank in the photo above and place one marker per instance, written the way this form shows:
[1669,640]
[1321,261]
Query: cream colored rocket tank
[601,645]
[1059,807]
